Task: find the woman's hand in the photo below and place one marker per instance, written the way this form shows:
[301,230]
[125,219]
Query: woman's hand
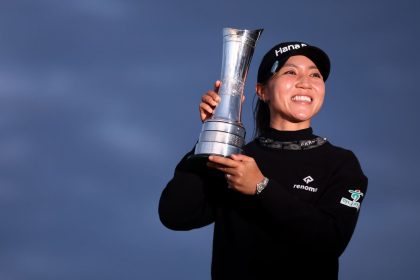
[242,172]
[209,102]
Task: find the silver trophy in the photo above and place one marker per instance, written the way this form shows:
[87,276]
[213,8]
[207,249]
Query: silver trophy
[223,134]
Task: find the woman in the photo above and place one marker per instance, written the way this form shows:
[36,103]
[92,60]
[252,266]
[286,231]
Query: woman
[287,207]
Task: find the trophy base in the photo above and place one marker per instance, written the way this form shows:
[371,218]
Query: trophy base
[220,138]
[205,149]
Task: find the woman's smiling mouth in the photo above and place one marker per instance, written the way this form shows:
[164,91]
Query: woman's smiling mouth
[302,98]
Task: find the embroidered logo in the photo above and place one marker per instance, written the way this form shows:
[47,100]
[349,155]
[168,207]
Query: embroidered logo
[308,179]
[355,195]
[288,48]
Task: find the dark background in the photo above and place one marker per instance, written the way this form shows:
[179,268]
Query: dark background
[99,101]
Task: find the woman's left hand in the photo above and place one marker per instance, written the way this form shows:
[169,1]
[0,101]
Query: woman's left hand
[241,172]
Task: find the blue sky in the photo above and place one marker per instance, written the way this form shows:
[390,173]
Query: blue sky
[99,101]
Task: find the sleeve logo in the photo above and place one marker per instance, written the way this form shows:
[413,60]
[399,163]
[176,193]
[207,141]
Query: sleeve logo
[355,195]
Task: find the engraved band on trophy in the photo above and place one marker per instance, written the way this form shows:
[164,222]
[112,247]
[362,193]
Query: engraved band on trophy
[223,134]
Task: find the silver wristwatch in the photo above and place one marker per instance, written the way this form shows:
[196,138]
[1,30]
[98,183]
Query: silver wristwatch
[261,185]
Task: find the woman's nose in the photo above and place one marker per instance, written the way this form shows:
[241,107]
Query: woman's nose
[303,82]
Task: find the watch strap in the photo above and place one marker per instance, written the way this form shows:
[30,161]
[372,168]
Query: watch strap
[261,185]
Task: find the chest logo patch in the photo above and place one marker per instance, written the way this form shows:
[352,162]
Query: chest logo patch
[307,180]
[355,195]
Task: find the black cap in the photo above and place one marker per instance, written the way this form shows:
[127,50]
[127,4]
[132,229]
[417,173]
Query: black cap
[275,58]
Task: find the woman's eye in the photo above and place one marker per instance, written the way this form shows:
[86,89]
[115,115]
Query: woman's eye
[290,72]
[316,75]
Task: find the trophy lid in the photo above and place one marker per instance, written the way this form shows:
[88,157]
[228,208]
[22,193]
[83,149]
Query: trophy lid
[248,35]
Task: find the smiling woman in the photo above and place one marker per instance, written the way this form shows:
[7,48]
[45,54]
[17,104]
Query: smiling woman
[290,74]
[285,209]
[294,94]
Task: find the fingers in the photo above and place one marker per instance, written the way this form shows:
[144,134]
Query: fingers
[209,102]
[211,98]
[241,157]
[233,161]
[227,162]
[205,111]
[217,85]
[241,172]
[227,170]
[229,181]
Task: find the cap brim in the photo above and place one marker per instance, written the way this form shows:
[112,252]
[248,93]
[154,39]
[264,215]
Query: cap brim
[318,56]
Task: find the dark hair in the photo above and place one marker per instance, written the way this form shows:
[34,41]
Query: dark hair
[261,117]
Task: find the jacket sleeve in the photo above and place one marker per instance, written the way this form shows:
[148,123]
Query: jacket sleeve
[326,225]
[189,199]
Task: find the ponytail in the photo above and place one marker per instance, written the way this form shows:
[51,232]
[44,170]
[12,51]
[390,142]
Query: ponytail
[261,117]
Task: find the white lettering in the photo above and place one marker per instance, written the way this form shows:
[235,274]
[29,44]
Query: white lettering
[309,142]
[306,188]
[287,48]
[350,203]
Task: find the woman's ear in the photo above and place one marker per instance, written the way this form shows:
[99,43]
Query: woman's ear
[260,90]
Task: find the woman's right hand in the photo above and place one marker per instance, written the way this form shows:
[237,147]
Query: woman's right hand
[209,102]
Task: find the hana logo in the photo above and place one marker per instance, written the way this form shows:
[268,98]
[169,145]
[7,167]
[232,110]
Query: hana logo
[355,195]
[308,179]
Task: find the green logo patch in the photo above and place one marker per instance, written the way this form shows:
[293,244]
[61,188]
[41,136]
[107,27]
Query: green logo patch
[355,195]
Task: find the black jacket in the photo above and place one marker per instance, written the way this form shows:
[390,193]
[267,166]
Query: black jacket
[296,228]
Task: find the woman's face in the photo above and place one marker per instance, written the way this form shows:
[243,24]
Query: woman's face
[295,94]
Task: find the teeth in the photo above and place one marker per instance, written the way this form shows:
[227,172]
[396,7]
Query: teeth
[301,98]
